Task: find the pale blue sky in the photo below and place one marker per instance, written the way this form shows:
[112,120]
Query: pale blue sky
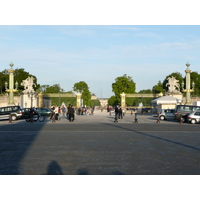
[98,54]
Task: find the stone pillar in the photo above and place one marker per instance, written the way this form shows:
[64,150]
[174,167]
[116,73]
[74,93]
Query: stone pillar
[187,90]
[78,100]
[123,100]
[40,96]
[11,89]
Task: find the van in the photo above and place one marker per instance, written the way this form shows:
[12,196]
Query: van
[16,112]
[184,111]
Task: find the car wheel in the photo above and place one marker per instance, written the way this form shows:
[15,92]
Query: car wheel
[35,118]
[183,119]
[41,118]
[162,117]
[193,121]
[14,117]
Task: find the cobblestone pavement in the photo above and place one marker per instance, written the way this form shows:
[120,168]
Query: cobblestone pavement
[95,145]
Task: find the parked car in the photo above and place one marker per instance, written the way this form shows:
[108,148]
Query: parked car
[184,110]
[165,114]
[42,111]
[16,112]
[194,117]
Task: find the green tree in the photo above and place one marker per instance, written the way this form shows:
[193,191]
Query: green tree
[95,102]
[112,101]
[148,91]
[50,89]
[3,79]
[54,89]
[83,88]
[42,88]
[196,78]
[158,88]
[123,84]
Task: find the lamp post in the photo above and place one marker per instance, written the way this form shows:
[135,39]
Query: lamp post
[31,94]
[11,89]
[188,90]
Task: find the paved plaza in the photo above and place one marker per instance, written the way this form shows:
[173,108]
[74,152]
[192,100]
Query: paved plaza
[95,145]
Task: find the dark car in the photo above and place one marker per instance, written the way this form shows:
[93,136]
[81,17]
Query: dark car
[44,111]
[182,111]
[16,112]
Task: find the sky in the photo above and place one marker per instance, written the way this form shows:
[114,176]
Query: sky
[97,54]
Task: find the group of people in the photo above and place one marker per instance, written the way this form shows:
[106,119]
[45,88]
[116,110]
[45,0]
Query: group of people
[118,113]
[86,111]
[60,112]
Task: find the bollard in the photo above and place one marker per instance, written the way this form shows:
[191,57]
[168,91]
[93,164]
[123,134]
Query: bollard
[10,119]
[136,119]
[180,121]
[54,118]
[158,119]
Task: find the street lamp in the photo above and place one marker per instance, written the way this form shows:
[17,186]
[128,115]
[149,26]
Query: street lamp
[188,89]
[31,96]
[11,89]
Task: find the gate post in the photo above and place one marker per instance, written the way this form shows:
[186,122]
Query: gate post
[123,100]
[78,100]
[40,95]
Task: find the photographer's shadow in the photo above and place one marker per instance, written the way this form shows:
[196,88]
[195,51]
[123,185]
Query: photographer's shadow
[54,169]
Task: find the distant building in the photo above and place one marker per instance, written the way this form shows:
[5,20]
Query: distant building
[93,96]
[103,102]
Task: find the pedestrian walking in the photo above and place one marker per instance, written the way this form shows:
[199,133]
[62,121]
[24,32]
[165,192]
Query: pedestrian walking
[53,117]
[31,114]
[52,109]
[56,113]
[10,118]
[158,119]
[68,109]
[120,113]
[136,119]
[63,111]
[92,112]
[71,113]
[116,114]
[59,113]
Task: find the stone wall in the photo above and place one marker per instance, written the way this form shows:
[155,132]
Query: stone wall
[5,99]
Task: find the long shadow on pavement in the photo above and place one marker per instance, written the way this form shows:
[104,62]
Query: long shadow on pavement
[156,137]
[14,144]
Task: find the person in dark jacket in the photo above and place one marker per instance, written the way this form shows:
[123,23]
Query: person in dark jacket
[31,114]
[71,113]
[116,114]
[120,113]
[68,109]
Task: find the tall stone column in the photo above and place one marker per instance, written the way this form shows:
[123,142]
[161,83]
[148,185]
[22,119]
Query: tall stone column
[187,90]
[123,100]
[78,100]
[11,89]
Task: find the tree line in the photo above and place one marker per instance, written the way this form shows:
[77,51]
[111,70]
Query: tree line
[127,85]
[122,84]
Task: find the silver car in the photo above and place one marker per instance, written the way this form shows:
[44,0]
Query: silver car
[165,114]
[194,117]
